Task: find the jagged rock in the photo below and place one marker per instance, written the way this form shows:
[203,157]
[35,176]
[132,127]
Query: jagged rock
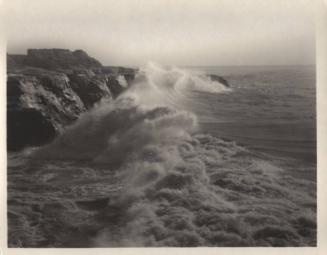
[38,107]
[219,79]
[115,86]
[91,89]
[48,89]
[127,73]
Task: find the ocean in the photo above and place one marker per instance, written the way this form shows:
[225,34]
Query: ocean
[272,110]
[177,160]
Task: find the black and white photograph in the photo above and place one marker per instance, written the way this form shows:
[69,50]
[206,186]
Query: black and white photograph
[141,123]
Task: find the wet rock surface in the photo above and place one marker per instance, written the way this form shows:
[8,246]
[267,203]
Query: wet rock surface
[48,89]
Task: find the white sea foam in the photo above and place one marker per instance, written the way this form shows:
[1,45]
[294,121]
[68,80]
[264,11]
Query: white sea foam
[177,187]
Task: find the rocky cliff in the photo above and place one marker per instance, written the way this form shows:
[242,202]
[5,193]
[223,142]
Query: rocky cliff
[48,89]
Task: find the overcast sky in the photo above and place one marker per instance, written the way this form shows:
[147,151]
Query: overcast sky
[178,32]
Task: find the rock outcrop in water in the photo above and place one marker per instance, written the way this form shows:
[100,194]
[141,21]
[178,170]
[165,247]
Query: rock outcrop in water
[48,89]
[219,79]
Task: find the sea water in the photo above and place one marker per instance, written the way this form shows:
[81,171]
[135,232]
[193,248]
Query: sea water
[177,160]
[272,110]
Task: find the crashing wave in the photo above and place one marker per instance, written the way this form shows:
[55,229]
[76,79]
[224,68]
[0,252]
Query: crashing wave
[173,186]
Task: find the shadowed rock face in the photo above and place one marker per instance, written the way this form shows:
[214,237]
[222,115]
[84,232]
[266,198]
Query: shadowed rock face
[38,107]
[90,89]
[49,88]
[28,127]
[114,86]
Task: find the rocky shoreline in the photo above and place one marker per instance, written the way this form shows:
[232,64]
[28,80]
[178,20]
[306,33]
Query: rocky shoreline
[48,89]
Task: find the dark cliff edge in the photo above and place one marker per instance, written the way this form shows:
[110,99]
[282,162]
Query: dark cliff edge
[48,89]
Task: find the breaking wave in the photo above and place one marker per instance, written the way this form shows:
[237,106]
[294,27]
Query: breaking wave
[139,172]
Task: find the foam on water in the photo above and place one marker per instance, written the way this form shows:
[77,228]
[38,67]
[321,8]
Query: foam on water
[138,172]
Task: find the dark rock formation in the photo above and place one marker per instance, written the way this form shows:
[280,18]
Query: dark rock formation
[28,127]
[115,86]
[49,89]
[59,59]
[38,107]
[91,89]
[127,73]
[219,79]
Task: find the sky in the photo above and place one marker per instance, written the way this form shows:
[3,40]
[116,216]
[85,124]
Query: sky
[172,32]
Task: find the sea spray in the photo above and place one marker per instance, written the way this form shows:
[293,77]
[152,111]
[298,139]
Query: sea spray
[138,172]
[157,101]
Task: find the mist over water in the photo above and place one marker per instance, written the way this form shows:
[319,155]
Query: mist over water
[142,171]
